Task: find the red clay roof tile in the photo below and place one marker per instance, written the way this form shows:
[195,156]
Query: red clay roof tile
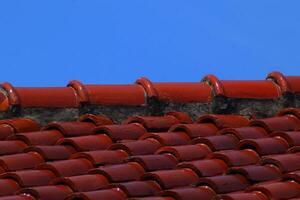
[160,154]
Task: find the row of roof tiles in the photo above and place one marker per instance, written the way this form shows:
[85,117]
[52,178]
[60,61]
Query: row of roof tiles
[77,94]
[168,156]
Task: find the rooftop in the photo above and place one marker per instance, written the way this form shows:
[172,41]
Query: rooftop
[212,139]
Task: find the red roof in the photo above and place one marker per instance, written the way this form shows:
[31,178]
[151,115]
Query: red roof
[230,140]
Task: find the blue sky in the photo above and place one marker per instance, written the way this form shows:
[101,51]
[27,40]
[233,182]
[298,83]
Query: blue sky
[48,43]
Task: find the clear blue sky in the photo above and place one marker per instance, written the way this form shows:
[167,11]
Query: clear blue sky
[48,43]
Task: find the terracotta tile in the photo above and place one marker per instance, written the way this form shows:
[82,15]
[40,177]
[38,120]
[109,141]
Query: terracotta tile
[52,153]
[286,83]
[17,197]
[87,143]
[97,120]
[172,178]
[242,196]
[265,146]
[196,130]
[122,132]
[131,171]
[72,129]
[109,94]
[290,111]
[30,178]
[188,193]
[225,183]
[11,147]
[139,188]
[139,147]
[153,198]
[278,190]
[111,194]
[57,192]
[292,137]
[176,92]
[38,137]
[154,123]
[5,131]
[186,152]
[183,117]
[283,123]
[257,173]
[55,97]
[169,138]
[285,162]
[103,157]
[204,168]
[20,161]
[8,187]
[224,121]
[71,167]
[155,162]
[246,132]
[21,124]
[243,89]
[295,175]
[237,157]
[83,183]
[219,142]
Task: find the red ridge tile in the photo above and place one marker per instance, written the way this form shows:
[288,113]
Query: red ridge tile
[5,131]
[195,130]
[225,183]
[83,183]
[122,132]
[139,188]
[203,193]
[103,157]
[72,129]
[224,121]
[290,111]
[172,178]
[131,171]
[186,152]
[109,94]
[181,116]
[286,83]
[55,97]
[292,137]
[155,162]
[205,168]
[17,197]
[243,89]
[176,92]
